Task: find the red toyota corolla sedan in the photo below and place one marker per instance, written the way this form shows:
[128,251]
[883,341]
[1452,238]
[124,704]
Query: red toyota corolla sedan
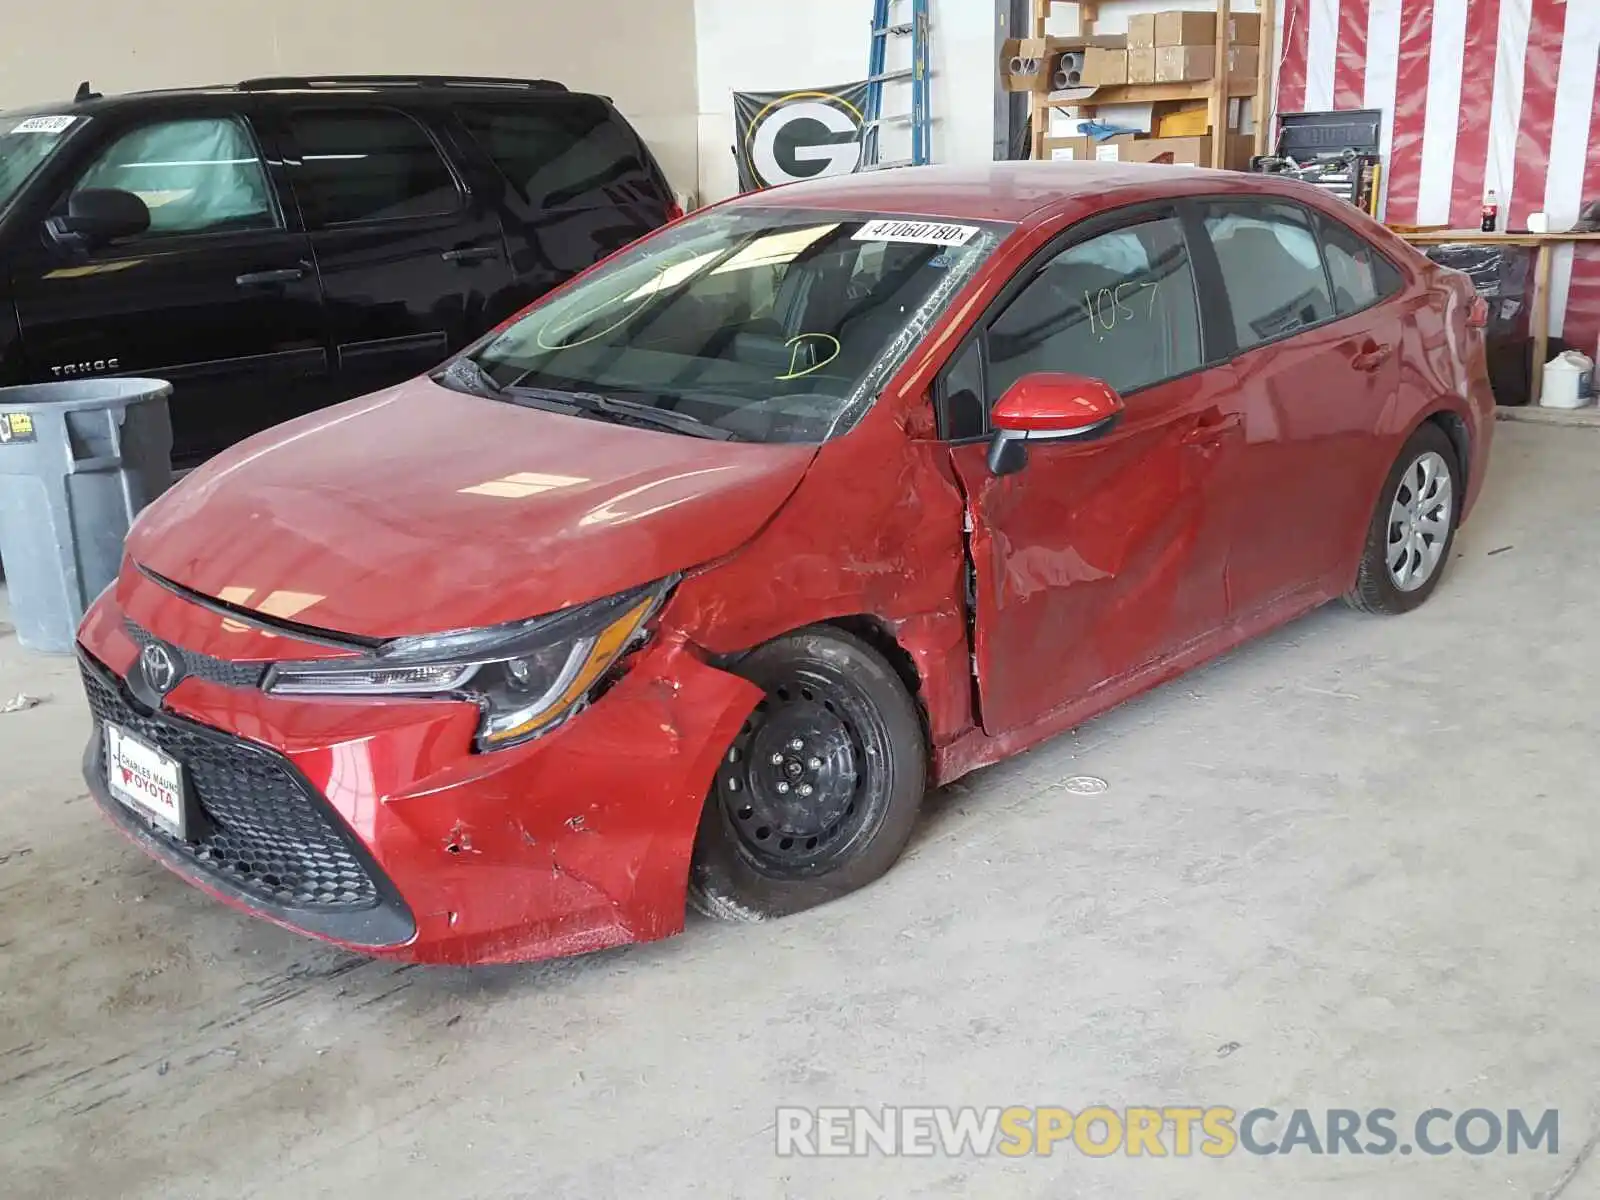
[685,584]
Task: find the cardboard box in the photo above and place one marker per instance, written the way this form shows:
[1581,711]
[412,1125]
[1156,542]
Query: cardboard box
[1087,149]
[1190,151]
[1142,31]
[1116,149]
[1192,119]
[1032,51]
[1103,41]
[1244,29]
[1190,64]
[1186,29]
[1185,64]
[1043,53]
[1105,68]
[1200,29]
[1243,61]
[1142,65]
[1065,149]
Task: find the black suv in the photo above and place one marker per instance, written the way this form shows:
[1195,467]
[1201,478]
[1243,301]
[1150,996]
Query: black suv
[282,244]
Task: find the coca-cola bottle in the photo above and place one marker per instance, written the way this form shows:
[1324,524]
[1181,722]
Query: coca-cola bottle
[1491,213]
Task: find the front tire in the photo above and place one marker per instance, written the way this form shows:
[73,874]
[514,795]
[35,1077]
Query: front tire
[1413,527]
[819,791]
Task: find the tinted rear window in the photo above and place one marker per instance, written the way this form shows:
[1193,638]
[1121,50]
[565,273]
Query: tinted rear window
[360,165]
[569,153]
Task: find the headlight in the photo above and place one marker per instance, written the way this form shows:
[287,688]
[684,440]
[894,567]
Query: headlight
[525,677]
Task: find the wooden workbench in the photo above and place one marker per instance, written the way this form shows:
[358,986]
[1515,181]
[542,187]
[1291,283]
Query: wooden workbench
[1545,243]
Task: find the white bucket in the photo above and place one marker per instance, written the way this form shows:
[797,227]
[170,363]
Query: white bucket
[1566,378]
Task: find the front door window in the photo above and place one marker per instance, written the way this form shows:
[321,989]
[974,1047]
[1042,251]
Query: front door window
[195,176]
[1119,308]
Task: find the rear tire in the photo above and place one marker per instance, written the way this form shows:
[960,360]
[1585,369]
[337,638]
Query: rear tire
[819,791]
[1413,527]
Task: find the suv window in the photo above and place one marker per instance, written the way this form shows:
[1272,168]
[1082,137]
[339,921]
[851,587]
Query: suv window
[359,165]
[1120,307]
[26,144]
[1361,276]
[560,153]
[1272,269]
[195,176]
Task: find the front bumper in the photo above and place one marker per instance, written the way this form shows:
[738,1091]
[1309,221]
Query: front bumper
[374,824]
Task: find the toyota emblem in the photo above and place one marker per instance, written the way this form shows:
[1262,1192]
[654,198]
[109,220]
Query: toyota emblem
[160,671]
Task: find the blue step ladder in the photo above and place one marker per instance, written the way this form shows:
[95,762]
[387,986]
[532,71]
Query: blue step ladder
[916,75]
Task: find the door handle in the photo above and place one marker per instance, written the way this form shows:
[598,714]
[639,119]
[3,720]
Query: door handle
[469,254]
[1371,357]
[1213,429]
[268,278]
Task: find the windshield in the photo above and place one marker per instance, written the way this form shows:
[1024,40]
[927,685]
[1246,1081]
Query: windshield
[771,325]
[26,141]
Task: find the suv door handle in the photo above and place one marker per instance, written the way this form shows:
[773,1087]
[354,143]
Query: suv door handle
[1211,431]
[468,254]
[1371,357]
[267,278]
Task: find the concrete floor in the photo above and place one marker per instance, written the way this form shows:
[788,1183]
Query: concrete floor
[1360,852]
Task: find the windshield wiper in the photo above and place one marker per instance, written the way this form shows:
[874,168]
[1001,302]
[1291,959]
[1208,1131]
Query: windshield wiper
[623,411]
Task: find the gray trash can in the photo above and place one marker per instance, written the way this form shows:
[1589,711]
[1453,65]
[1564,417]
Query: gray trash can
[78,461]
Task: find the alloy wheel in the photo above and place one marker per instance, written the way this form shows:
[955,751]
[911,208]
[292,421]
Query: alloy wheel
[1419,522]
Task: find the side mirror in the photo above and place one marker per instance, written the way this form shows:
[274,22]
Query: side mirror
[98,215]
[1049,407]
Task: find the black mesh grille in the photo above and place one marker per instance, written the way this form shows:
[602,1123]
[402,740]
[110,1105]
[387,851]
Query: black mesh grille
[269,835]
[202,666]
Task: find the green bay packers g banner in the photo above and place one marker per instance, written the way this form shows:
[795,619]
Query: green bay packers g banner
[788,136]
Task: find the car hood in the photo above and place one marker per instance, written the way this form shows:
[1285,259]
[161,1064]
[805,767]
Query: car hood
[421,509]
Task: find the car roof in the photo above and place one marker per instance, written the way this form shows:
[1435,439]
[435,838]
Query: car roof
[1003,191]
[428,85]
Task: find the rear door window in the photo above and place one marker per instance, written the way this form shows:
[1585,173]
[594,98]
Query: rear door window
[1272,268]
[1361,276]
[573,152]
[359,166]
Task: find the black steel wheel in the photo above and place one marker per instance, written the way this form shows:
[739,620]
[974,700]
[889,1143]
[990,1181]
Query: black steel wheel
[818,793]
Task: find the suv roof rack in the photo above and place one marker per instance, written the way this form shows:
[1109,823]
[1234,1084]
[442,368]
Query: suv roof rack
[276,82]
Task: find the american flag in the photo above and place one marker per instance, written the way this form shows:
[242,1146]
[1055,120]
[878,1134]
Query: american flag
[1477,95]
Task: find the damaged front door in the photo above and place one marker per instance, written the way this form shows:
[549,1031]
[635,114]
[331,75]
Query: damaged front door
[1099,557]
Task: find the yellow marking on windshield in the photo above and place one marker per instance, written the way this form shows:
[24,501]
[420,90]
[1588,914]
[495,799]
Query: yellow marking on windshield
[794,355]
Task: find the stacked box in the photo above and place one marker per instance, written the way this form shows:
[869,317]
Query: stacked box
[1105,68]
[1192,64]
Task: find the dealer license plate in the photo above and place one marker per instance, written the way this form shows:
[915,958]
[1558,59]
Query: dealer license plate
[145,779]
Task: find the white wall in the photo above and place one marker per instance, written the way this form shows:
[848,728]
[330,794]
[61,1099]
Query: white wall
[767,45]
[641,53]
